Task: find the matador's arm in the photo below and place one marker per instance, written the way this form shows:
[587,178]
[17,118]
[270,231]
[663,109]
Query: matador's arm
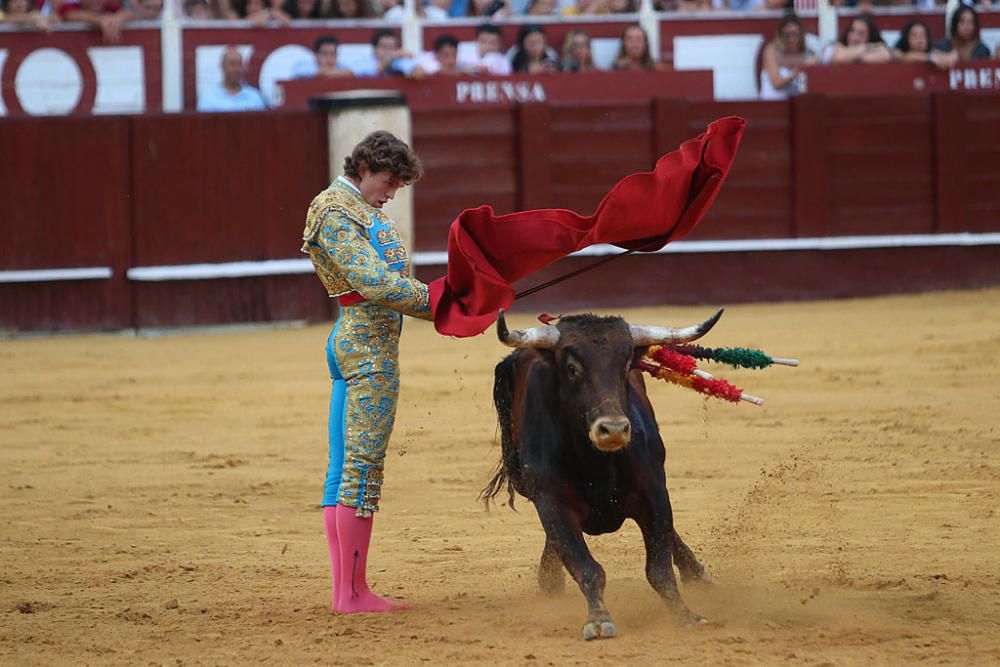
[357,264]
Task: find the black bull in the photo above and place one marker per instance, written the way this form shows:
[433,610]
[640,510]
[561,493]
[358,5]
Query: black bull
[579,440]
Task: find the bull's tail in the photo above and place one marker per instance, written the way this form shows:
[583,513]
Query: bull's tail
[503,399]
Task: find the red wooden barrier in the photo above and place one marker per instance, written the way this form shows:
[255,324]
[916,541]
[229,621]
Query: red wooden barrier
[442,92]
[123,193]
[139,47]
[223,188]
[64,186]
[471,158]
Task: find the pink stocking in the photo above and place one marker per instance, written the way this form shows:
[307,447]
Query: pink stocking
[330,523]
[354,534]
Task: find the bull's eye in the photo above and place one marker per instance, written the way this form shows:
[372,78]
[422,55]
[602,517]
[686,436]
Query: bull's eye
[573,370]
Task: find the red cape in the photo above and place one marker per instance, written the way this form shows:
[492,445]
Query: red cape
[487,253]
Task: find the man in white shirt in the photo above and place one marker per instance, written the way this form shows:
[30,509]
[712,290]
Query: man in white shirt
[488,58]
[232,94]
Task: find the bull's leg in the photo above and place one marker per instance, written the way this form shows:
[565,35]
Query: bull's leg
[687,562]
[551,575]
[563,533]
[659,537]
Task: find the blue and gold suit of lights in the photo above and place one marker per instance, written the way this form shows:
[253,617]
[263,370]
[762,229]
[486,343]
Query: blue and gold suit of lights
[356,248]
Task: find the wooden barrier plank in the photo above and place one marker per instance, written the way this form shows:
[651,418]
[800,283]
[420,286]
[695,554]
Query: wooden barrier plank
[64,203]
[950,146]
[809,165]
[225,187]
[534,155]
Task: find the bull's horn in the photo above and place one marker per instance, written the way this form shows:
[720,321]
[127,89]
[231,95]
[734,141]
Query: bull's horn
[545,337]
[643,335]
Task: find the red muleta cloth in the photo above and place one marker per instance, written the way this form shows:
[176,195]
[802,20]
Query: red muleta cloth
[487,253]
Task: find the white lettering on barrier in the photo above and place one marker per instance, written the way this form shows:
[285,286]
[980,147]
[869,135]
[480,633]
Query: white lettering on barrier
[970,78]
[986,78]
[478,92]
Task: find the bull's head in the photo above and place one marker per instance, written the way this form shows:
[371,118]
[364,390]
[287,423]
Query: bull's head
[592,357]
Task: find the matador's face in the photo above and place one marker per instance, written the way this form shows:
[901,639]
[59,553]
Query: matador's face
[378,188]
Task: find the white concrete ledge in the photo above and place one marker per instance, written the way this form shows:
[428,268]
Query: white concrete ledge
[270,267]
[284,267]
[50,275]
[775,245]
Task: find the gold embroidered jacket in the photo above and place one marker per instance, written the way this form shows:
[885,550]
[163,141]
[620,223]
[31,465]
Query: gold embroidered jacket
[356,248]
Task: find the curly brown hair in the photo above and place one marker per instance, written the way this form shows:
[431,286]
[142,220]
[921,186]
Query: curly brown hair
[382,151]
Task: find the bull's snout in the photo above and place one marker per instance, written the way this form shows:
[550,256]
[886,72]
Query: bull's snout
[610,433]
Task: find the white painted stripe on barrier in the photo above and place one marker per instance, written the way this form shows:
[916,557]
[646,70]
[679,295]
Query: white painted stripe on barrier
[277,267]
[775,245]
[270,267]
[49,275]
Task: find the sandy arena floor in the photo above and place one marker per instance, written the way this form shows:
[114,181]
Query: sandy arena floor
[160,502]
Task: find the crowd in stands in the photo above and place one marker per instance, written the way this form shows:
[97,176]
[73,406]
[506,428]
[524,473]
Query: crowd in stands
[781,59]
[110,14]
[861,42]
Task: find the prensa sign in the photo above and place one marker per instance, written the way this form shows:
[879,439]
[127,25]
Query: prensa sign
[983,77]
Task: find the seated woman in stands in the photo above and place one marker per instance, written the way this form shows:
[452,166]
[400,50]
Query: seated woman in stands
[914,46]
[782,59]
[576,54]
[963,36]
[634,52]
[583,7]
[489,9]
[265,13]
[25,14]
[303,9]
[861,42]
[533,55]
[622,6]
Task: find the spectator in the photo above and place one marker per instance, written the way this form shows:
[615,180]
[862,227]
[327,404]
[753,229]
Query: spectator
[634,51]
[303,9]
[491,9]
[22,13]
[324,65]
[487,58]
[233,94]
[622,6]
[914,46]
[443,61]
[542,8]
[533,55]
[963,36]
[756,5]
[107,15]
[576,54]
[147,10]
[782,58]
[197,10]
[352,9]
[393,11]
[861,42]
[584,7]
[265,14]
[225,9]
[386,59]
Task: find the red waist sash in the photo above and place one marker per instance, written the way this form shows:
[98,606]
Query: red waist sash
[350,299]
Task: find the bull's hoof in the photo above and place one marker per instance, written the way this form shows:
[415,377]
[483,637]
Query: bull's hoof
[599,630]
[693,620]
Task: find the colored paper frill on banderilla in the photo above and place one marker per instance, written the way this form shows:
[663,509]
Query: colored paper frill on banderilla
[487,253]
